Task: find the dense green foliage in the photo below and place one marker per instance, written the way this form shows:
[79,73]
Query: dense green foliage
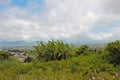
[82,50]
[82,63]
[4,55]
[28,59]
[113,49]
[53,50]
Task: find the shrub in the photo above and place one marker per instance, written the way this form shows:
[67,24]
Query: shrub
[28,59]
[4,55]
[113,49]
[82,49]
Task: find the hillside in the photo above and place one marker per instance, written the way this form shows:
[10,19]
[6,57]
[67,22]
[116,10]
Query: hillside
[88,64]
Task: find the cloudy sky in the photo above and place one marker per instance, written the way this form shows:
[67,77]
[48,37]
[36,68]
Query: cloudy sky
[70,20]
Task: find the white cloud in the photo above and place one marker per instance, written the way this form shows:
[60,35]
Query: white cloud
[101,36]
[111,6]
[59,19]
[116,32]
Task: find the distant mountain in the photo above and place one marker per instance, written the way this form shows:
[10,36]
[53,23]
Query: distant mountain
[17,43]
[31,43]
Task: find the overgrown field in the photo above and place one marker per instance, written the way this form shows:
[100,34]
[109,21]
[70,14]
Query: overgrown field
[56,60]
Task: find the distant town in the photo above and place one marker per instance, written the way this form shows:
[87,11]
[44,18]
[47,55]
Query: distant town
[19,52]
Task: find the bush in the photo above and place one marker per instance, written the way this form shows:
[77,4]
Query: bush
[113,49]
[28,59]
[82,49]
[4,55]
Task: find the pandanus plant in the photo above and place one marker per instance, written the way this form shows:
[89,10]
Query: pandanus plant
[53,50]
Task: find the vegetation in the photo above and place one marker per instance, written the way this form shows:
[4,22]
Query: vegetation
[113,49]
[53,50]
[82,50]
[56,60]
[4,55]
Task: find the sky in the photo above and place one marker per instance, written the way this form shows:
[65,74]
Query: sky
[69,20]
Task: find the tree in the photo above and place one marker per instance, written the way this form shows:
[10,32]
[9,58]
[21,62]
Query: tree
[113,49]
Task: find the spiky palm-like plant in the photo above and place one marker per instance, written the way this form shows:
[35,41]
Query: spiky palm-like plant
[53,50]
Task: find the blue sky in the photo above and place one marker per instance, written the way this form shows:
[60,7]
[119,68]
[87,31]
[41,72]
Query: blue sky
[20,3]
[24,3]
[1,7]
[78,20]
[105,28]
